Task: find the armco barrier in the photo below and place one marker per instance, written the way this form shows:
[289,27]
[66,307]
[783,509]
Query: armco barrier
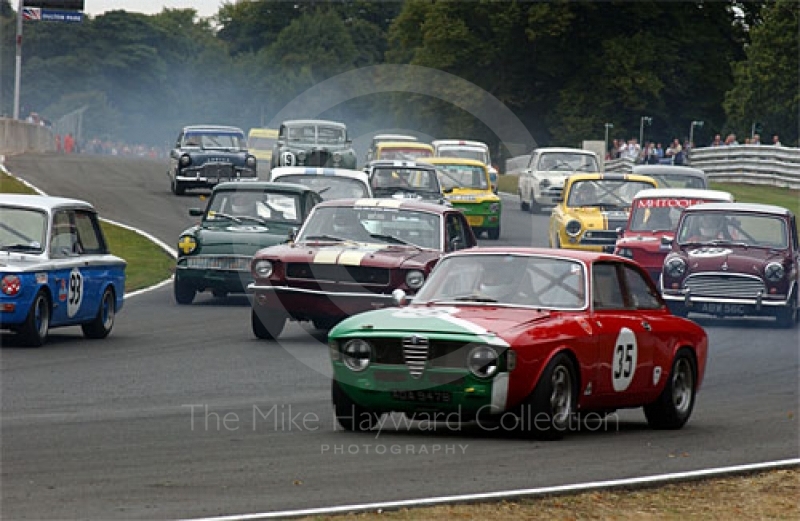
[17,137]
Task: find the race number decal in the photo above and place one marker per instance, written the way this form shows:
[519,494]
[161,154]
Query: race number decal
[623,365]
[74,292]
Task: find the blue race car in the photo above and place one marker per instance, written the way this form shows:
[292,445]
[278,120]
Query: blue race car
[55,268]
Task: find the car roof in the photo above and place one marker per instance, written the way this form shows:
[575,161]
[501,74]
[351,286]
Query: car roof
[741,207]
[260,186]
[459,142]
[564,149]
[403,204]
[444,160]
[394,137]
[404,144]
[668,169]
[280,171]
[217,128]
[613,176]
[263,132]
[399,163]
[327,122]
[43,202]
[562,253]
[687,193]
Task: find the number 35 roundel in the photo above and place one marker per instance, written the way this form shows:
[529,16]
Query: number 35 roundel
[623,365]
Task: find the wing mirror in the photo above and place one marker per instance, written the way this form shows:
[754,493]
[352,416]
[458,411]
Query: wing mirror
[399,297]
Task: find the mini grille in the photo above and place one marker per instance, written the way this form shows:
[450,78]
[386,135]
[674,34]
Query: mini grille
[338,273]
[724,286]
[415,353]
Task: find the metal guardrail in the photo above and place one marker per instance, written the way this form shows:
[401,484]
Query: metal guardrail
[748,164]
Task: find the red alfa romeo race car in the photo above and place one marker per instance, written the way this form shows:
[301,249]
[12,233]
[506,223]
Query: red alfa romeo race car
[542,335]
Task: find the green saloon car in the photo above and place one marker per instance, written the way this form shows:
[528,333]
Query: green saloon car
[240,219]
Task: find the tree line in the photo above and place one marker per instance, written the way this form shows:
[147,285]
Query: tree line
[564,69]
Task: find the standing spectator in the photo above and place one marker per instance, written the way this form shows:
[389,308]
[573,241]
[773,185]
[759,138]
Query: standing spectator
[717,141]
[776,140]
[675,152]
[58,143]
[633,150]
[659,152]
[756,140]
[731,140]
[69,143]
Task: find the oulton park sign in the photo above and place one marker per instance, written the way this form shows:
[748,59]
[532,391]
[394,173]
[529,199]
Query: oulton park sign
[53,10]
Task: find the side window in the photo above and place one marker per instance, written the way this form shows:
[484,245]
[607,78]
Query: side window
[642,295]
[90,236]
[456,236]
[179,140]
[64,236]
[606,289]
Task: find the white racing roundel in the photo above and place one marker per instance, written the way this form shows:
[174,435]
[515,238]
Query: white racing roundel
[74,292]
[623,365]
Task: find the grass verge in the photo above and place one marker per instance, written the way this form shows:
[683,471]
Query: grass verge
[767,495]
[147,263]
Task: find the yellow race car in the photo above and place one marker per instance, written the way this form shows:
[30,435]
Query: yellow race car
[592,210]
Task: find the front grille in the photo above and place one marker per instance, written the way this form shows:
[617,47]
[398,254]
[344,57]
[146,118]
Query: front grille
[318,158]
[338,273]
[599,238]
[217,170]
[440,353]
[415,354]
[214,262]
[553,191]
[719,285]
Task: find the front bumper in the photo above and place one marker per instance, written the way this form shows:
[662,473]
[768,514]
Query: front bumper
[224,280]
[727,306]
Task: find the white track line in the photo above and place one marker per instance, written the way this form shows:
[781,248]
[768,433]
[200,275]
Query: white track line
[158,242]
[640,482]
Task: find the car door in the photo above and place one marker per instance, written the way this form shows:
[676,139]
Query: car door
[68,274]
[624,338]
[95,263]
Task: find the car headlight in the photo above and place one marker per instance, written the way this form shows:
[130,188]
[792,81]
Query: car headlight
[337,157]
[544,183]
[774,271]
[483,361]
[625,252]
[250,161]
[301,156]
[573,228]
[356,354]
[494,208]
[415,279]
[262,268]
[187,244]
[185,160]
[675,267]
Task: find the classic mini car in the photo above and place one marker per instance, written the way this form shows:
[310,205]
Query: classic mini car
[205,155]
[464,149]
[542,181]
[466,184]
[673,176]
[349,257]
[329,183]
[379,138]
[404,180]
[239,219]
[260,142]
[542,336]
[402,150]
[593,210]
[734,259]
[55,268]
[651,226]
[312,142]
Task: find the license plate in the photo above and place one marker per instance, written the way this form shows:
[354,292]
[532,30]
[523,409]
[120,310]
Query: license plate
[717,308]
[423,396]
[474,220]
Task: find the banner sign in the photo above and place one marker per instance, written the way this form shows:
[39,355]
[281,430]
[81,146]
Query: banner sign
[50,15]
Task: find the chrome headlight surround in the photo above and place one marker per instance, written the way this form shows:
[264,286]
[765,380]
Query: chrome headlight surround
[415,279]
[337,158]
[250,161]
[494,208]
[483,361]
[675,267]
[301,156]
[185,160]
[573,228]
[263,268]
[774,272]
[544,183]
[356,354]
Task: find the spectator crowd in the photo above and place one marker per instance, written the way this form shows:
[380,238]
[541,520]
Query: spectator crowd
[654,153]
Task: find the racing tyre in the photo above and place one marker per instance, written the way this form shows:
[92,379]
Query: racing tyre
[177,188]
[547,412]
[787,317]
[184,293]
[102,323]
[523,204]
[269,326]
[34,331]
[534,206]
[351,416]
[674,406]
[493,233]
